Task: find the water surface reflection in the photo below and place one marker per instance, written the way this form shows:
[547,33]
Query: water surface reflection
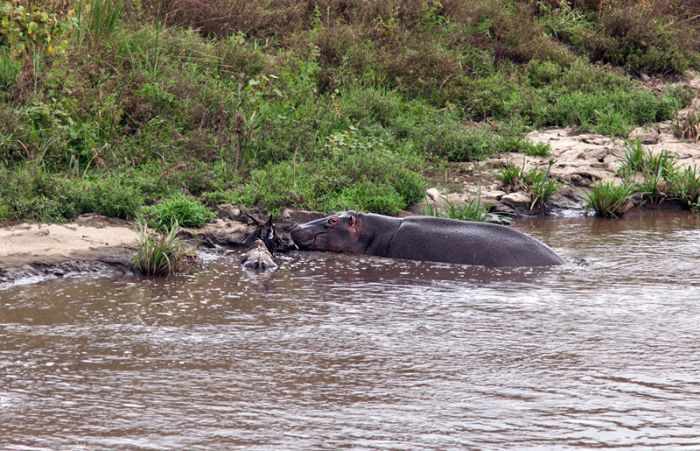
[334,351]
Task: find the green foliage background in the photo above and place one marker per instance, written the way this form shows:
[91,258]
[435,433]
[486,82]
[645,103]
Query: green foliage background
[111,106]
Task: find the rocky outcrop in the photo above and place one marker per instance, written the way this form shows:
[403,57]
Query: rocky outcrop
[578,161]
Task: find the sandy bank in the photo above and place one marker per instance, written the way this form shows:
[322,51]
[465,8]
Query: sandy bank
[91,243]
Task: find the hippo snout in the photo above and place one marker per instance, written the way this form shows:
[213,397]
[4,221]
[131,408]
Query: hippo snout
[302,236]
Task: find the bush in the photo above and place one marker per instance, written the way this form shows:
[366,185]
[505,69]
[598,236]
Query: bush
[352,170]
[610,201]
[110,196]
[688,127]
[643,38]
[686,186]
[163,254]
[469,211]
[177,209]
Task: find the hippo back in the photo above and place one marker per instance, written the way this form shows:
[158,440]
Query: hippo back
[469,243]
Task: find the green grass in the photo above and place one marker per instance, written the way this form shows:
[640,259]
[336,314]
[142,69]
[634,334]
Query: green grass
[473,210]
[274,104]
[177,209]
[686,186]
[536,182]
[540,186]
[98,19]
[511,177]
[163,254]
[537,149]
[634,159]
[688,127]
[610,201]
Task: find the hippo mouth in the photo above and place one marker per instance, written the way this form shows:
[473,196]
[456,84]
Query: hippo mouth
[303,240]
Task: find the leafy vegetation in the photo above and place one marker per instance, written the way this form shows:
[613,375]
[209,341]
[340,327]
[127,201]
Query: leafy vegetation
[473,210]
[537,149]
[536,182]
[610,201]
[107,106]
[686,186]
[688,127]
[163,254]
[653,176]
[176,210]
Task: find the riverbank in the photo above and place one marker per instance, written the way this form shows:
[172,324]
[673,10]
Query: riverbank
[89,244]
[287,104]
[97,244]
[577,161]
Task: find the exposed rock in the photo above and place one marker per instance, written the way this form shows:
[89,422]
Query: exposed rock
[433,196]
[647,135]
[517,200]
[298,216]
[226,232]
[228,211]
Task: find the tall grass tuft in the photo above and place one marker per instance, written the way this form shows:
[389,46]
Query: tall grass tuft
[163,254]
[688,127]
[98,19]
[473,210]
[634,159]
[9,69]
[540,186]
[610,201]
[686,186]
[511,176]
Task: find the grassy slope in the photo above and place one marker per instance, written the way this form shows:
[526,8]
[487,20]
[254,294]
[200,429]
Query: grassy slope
[320,104]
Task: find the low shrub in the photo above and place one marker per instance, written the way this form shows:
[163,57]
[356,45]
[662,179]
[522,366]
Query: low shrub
[686,186]
[688,127]
[537,149]
[473,210]
[162,254]
[177,209]
[610,201]
[352,170]
[109,195]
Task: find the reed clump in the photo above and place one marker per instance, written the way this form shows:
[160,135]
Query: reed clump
[608,200]
[163,254]
[473,210]
[688,127]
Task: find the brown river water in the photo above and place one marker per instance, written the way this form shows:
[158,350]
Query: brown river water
[336,351]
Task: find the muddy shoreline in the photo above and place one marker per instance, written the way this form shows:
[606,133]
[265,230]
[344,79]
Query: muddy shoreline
[95,244]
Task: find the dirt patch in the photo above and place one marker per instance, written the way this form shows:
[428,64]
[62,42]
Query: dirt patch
[91,243]
[96,244]
[579,160]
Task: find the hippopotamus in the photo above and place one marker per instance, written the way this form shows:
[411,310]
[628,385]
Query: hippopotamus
[424,238]
[258,257]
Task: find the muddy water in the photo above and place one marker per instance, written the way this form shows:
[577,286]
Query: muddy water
[333,351]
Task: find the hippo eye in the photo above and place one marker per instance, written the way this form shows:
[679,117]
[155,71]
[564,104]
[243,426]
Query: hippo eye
[333,220]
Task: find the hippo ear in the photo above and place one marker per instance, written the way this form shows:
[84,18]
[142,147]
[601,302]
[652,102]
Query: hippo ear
[352,220]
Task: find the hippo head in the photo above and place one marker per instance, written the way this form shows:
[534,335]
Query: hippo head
[337,232]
